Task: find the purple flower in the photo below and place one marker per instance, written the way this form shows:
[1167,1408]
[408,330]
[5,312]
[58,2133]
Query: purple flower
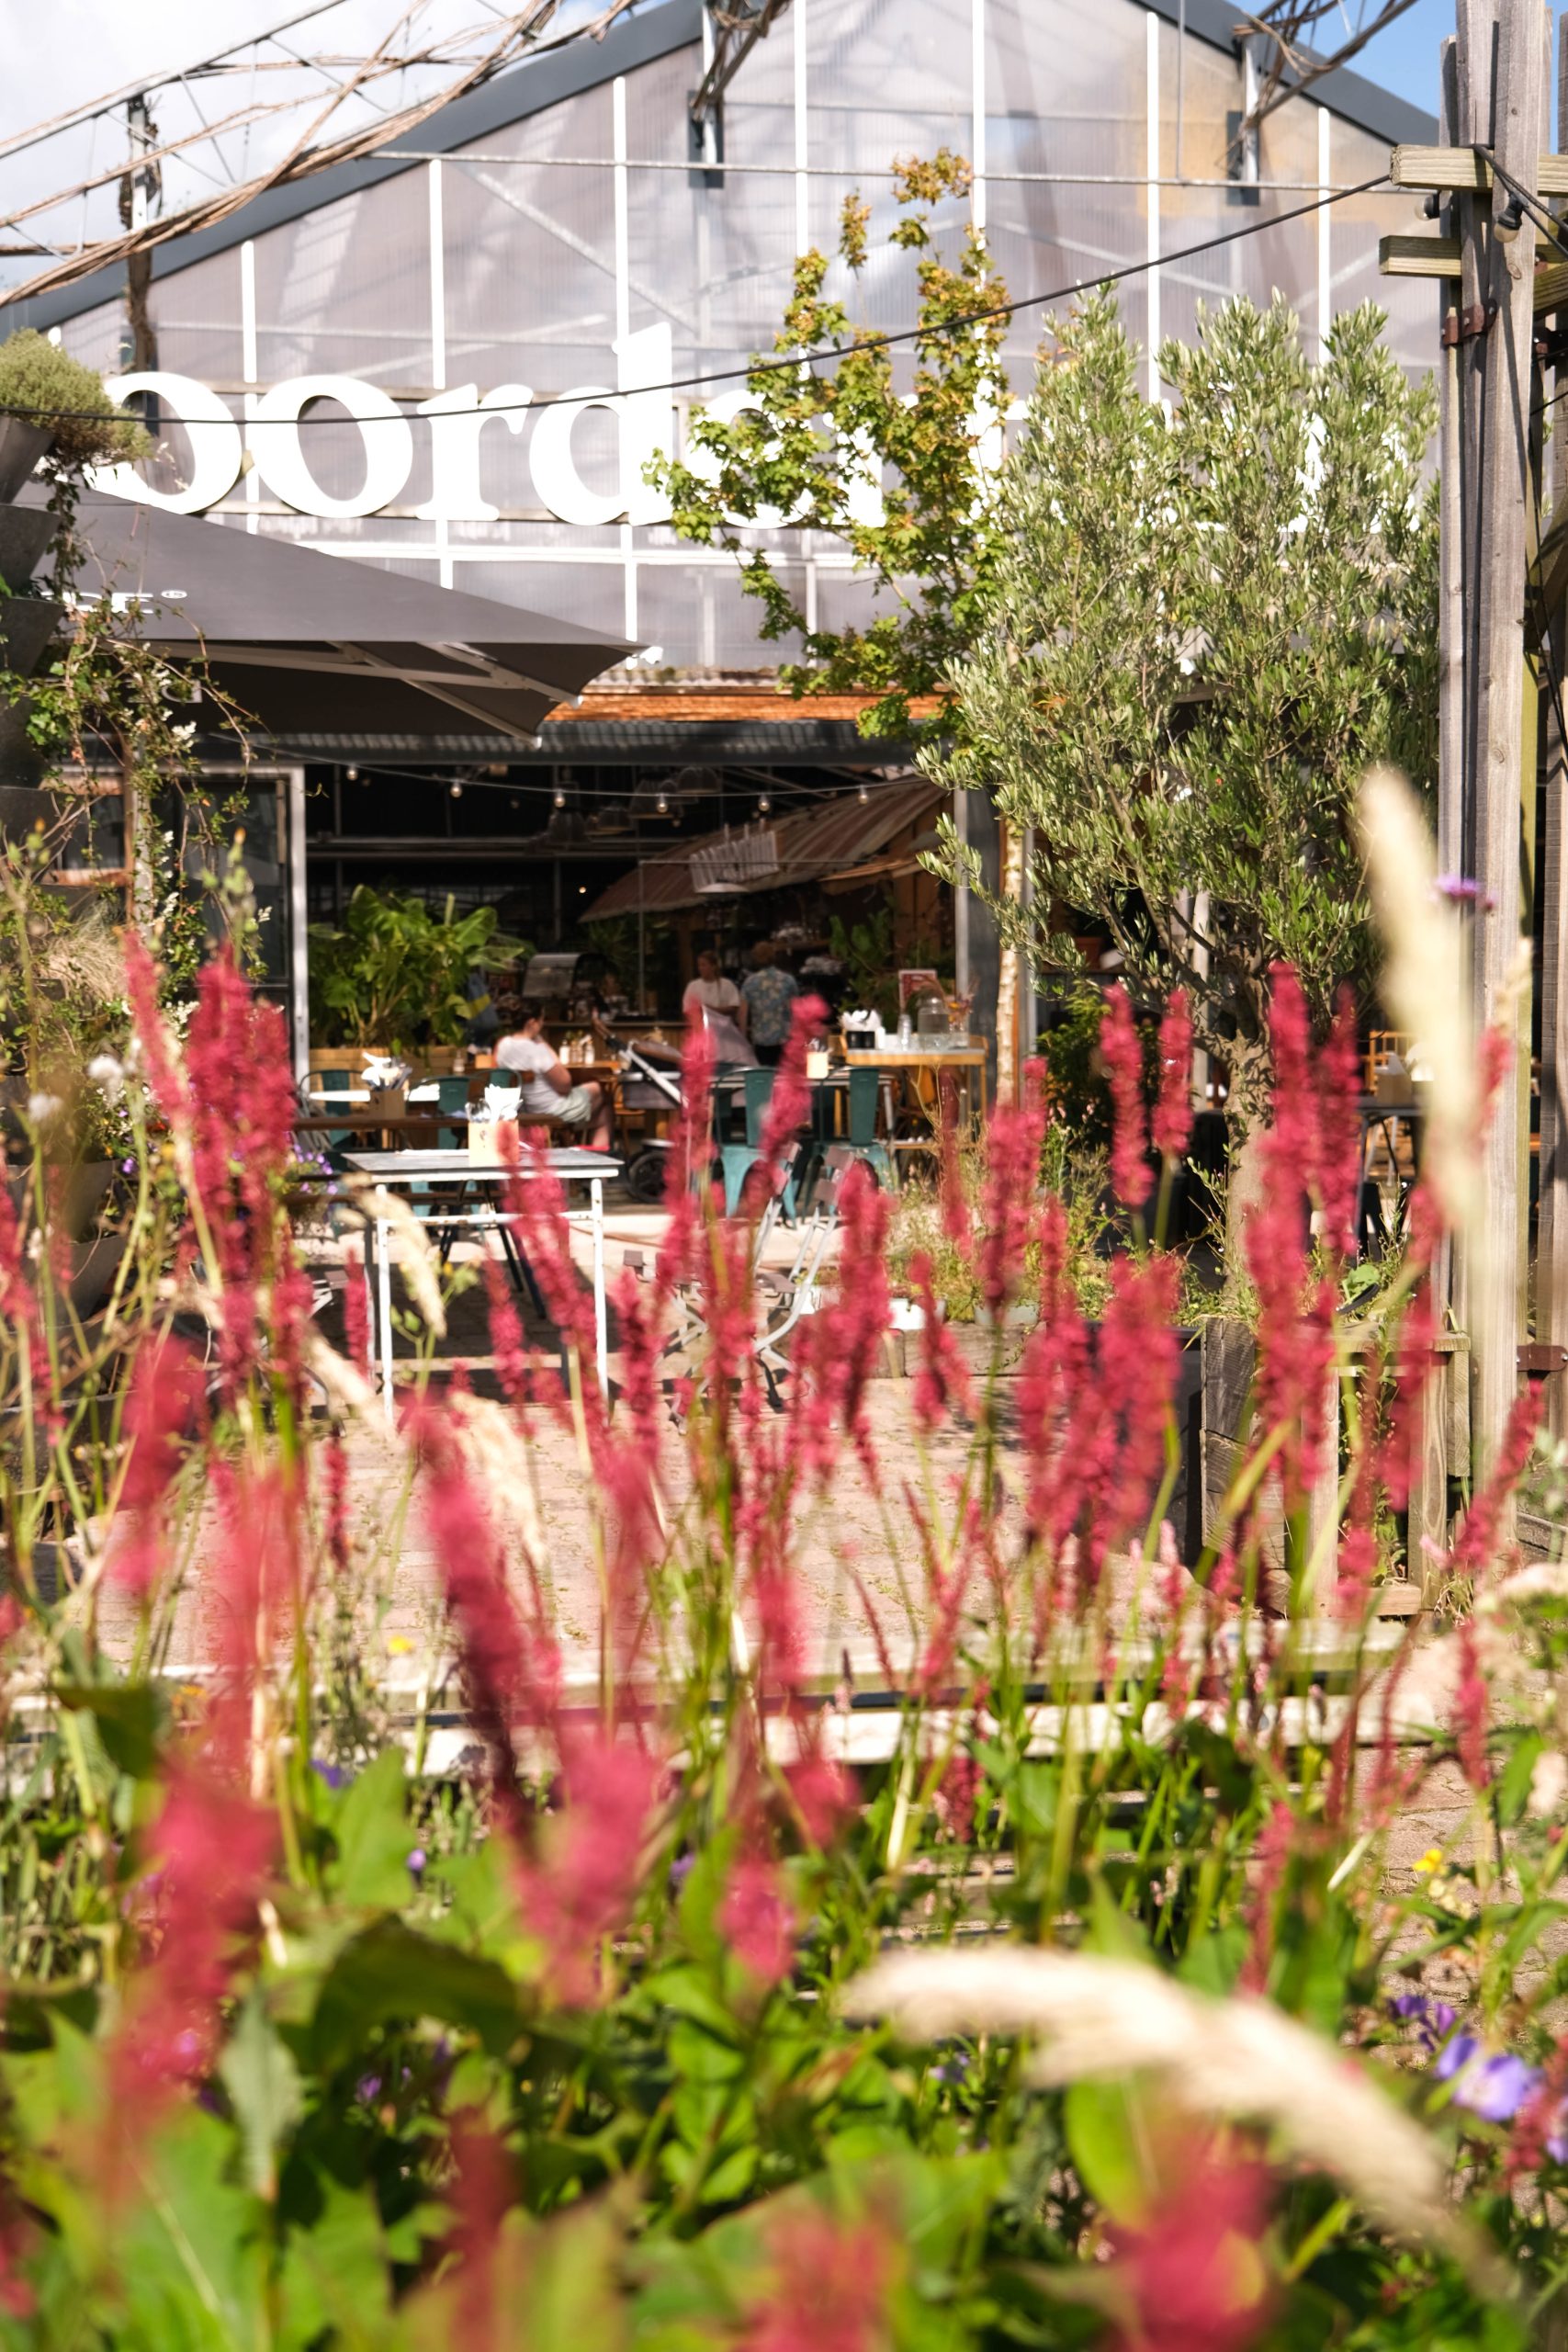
[1497,2087]
[1455,2054]
[680,1870]
[368,2089]
[1462,890]
[417,1860]
[1493,2084]
[1433,2019]
[332,1774]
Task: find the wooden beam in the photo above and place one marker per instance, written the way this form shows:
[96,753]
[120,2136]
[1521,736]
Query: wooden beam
[1458,168]
[1414,255]
[1418,256]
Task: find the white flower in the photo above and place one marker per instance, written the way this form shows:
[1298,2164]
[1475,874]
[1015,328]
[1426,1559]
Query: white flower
[104,1071]
[43,1107]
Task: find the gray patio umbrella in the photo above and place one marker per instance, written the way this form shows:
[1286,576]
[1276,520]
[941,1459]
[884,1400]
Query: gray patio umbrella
[312,644]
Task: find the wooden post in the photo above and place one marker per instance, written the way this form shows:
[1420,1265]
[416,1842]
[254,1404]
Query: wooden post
[1552,1249]
[1501,63]
[1453,729]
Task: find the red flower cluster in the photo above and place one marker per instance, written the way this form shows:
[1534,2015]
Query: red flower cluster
[830,2287]
[1192,2272]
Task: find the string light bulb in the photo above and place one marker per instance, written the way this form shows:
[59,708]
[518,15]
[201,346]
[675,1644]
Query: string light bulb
[661,805]
[456,792]
[353,774]
[560,798]
[863,795]
[763,805]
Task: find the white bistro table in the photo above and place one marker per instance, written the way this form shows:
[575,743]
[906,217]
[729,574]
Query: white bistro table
[394,1170]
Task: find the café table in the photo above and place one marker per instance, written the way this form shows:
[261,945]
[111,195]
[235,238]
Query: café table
[918,1075]
[398,1171]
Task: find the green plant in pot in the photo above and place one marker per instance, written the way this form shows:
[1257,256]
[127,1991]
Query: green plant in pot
[394,975]
[54,414]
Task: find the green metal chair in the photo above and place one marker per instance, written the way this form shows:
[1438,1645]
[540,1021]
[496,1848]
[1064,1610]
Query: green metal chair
[739,1158]
[863,1142]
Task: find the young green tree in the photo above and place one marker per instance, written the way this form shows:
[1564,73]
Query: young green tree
[881,449]
[1201,626]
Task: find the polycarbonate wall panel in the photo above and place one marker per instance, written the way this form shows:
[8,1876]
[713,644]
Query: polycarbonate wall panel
[530,253]
[698,615]
[346,290]
[1065,92]
[534,279]
[1411,304]
[197,323]
[99,337]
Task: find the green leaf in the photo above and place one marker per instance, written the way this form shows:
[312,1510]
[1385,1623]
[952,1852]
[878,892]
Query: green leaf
[1102,2127]
[263,2083]
[1514,1784]
[130,1717]
[337,2271]
[372,1838]
[392,1970]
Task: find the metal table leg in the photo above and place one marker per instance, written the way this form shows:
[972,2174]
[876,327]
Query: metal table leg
[601,1317]
[384,1313]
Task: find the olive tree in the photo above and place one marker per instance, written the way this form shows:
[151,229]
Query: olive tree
[1203,621]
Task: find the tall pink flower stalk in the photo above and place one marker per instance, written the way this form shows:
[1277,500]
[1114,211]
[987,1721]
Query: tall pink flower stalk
[1295,1307]
[163,1409]
[1009,1194]
[1122,1054]
[213,1849]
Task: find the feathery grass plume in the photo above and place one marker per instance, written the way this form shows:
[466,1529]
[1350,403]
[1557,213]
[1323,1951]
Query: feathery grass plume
[415,1257]
[1240,2059]
[1542,1580]
[1425,989]
[346,1387]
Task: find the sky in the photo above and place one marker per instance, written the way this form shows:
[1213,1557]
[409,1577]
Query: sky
[1405,58]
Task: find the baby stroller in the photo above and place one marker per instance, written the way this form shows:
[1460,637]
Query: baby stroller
[646,1085]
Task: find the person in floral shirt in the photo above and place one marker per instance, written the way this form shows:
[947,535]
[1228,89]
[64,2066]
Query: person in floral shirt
[770,993]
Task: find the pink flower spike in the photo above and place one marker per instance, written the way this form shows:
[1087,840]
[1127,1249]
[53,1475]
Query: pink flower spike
[757,1919]
[1123,1057]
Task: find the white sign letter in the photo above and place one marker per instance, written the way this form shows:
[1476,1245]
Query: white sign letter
[216,451]
[456,420]
[642,360]
[643,365]
[560,487]
[280,461]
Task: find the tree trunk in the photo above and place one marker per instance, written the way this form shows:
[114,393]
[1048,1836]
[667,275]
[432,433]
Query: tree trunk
[1009,972]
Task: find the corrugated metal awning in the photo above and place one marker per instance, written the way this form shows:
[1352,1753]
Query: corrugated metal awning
[831,837]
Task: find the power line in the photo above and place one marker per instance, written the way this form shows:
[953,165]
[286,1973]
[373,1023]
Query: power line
[809,359]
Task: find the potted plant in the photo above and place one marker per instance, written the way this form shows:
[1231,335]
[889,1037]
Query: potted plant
[54,413]
[394,975]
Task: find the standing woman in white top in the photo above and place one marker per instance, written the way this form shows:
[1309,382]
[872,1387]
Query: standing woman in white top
[547,1089]
[717,1005]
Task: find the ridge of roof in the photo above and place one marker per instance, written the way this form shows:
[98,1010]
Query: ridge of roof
[534,84]
[528,88]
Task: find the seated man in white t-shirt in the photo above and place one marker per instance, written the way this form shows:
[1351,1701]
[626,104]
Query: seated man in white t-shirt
[547,1089]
